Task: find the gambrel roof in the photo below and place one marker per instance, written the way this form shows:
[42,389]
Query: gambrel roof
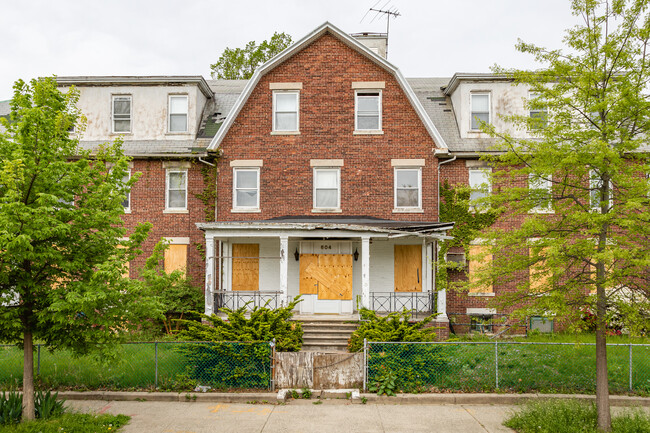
[351,42]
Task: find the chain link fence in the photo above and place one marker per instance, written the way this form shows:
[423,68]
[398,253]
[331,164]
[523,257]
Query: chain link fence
[171,366]
[506,366]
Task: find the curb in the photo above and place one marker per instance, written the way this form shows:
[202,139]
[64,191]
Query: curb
[400,399]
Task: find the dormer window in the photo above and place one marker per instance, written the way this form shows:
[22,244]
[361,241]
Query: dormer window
[178,108]
[480,110]
[121,113]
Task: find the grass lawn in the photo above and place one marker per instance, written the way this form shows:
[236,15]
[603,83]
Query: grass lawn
[70,423]
[572,416]
[522,367]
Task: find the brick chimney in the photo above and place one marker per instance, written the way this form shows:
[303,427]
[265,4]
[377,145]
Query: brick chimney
[377,42]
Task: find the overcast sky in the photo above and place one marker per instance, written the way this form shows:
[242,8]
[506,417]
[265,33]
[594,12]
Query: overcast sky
[431,38]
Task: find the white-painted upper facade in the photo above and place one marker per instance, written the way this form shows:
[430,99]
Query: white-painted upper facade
[140,108]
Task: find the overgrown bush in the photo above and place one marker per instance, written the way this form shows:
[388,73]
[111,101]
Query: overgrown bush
[46,406]
[570,416]
[262,324]
[179,297]
[394,327]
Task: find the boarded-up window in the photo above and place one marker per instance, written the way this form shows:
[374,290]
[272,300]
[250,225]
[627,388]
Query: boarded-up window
[245,267]
[476,265]
[175,258]
[538,273]
[408,268]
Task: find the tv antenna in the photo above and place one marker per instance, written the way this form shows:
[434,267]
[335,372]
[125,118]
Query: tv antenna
[386,10]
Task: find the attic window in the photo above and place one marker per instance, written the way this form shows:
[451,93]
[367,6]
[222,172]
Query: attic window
[121,113]
[178,113]
[367,110]
[285,110]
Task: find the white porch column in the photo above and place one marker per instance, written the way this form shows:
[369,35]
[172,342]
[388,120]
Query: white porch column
[428,267]
[365,271]
[442,293]
[209,274]
[284,267]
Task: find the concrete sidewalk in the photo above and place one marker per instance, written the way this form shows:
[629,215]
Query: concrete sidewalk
[300,416]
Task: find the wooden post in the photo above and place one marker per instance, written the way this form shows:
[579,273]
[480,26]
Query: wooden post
[365,271]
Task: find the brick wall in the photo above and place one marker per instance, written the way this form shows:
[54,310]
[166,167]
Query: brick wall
[326,69]
[148,204]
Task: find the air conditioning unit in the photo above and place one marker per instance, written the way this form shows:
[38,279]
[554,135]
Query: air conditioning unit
[456,258]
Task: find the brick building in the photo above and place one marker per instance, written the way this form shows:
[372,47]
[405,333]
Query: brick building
[327,165]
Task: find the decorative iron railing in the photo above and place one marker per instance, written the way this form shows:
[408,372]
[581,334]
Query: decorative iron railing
[418,303]
[251,299]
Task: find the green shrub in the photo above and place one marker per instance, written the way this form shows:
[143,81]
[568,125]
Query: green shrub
[263,324]
[394,327]
[45,403]
[572,416]
[11,408]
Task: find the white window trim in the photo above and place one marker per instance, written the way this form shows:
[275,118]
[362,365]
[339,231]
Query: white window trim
[287,131]
[174,209]
[128,195]
[489,184]
[338,181]
[549,188]
[379,130]
[406,209]
[113,113]
[592,184]
[243,209]
[471,110]
[169,113]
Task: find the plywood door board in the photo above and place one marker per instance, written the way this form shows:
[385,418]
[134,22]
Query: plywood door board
[245,270]
[408,268]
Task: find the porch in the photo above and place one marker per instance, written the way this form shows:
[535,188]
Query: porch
[337,265]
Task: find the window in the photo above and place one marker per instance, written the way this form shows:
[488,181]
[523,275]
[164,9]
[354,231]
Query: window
[479,259]
[246,194]
[538,111]
[367,110]
[540,193]
[177,113]
[327,188]
[122,113]
[127,201]
[285,111]
[482,323]
[176,189]
[408,191]
[595,183]
[480,110]
[175,258]
[479,182]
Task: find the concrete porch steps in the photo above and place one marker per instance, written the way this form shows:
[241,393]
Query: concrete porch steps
[329,335]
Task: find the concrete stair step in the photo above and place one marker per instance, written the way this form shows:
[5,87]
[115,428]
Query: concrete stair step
[327,331]
[324,338]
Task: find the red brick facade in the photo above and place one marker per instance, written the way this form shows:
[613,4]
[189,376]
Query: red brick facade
[326,69]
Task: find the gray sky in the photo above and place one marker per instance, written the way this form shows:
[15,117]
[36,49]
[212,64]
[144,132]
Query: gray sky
[163,37]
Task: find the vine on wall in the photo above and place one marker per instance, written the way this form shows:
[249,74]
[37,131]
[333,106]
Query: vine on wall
[208,195]
[455,207]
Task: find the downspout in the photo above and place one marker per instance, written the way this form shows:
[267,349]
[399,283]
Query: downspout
[214,165]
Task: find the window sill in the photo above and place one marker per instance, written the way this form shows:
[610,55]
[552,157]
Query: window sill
[127,210]
[177,132]
[408,210]
[176,211]
[541,211]
[285,132]
[481,295]
[369,132]
[252,210]
[120,133]
[326,210]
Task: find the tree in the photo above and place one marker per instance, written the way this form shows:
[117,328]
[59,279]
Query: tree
[174,290]
[62,247]
[240,63]
[586,161]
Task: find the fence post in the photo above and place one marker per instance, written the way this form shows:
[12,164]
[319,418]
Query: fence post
[630,347]
[365,364]
[496,363]
[272,366]
[38,361]
[155,347]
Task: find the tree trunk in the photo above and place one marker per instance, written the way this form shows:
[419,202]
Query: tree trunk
[28,377]
[602,385]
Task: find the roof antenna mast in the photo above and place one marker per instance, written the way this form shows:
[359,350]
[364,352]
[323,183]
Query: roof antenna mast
[390,12]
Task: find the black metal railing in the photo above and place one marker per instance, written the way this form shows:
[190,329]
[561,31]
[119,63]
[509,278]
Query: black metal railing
[418,303]
[251,299]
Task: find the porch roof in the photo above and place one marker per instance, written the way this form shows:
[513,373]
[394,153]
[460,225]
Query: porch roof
[356,225]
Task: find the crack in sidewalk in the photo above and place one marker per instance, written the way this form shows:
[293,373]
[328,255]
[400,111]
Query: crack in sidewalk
[475,419]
